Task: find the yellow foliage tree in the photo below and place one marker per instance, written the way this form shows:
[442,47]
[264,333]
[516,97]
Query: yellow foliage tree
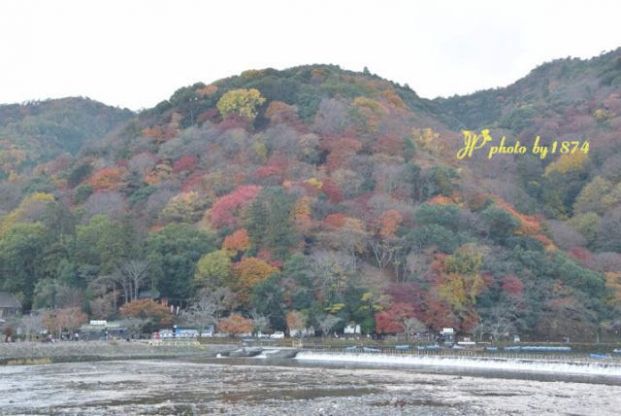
[28,203]
[462,282]
[242,102]
[567,162]
[613,283]
[314,182]
[184,207]
[302,213]
[393,98]
[428,140]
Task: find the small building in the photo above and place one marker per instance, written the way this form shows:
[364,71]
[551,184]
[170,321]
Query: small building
[9,305]
[306,332]
[102,330]
[352,329]
[448,335]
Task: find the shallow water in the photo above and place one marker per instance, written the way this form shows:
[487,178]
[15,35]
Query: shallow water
[588,371]
[157,387]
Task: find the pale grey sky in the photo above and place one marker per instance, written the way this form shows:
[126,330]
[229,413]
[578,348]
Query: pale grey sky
[135,53]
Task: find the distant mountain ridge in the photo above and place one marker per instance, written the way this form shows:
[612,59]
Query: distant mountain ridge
[46,129]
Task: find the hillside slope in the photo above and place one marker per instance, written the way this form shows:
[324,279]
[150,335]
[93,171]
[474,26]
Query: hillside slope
[318,196]
[40,131]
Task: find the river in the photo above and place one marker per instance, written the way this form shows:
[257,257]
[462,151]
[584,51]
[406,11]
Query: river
[240,387]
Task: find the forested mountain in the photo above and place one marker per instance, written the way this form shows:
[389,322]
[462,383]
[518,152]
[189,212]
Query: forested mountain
[319,196]
[40,131]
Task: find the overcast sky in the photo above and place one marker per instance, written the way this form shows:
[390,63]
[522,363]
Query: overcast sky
[137,53]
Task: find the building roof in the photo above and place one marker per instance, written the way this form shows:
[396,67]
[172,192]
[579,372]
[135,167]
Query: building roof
[7,300]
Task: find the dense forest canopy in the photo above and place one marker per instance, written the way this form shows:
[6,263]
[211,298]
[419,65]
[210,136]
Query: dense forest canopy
[316,196]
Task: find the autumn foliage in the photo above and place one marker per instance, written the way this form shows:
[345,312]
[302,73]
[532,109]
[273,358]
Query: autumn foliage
[107,179]
[389,223]
[240,102]
[321,197]
[249,272]
[58,320]
[235,325]
[223,211]
[513,286]
[238,241]
[185,163]
[391,320]
[148,309]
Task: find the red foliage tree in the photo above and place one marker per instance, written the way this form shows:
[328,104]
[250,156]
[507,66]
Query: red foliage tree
[390,145]
[390,321]
[270,170]
[194,182]
[410,293]
[513,286]
[335,220]
[332,191]
[581,254]
[438,314]
[184,163]
[223,211]
[340,151]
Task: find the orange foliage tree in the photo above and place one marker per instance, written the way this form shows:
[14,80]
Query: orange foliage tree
[69,319]
[148,309]
[302,213]
[249,272]
[296,321]
[108,178]
[279,112]
[529,224]
[235,325]
[389,223]
[238,241]
[340,151]
[335,220]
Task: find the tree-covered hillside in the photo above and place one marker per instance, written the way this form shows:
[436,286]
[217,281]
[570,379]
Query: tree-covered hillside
[40,131]
[318,197]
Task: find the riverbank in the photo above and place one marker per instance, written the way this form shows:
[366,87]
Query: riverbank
[46,353]
[577,367]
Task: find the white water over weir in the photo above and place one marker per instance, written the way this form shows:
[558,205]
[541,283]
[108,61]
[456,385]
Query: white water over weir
[581,368]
